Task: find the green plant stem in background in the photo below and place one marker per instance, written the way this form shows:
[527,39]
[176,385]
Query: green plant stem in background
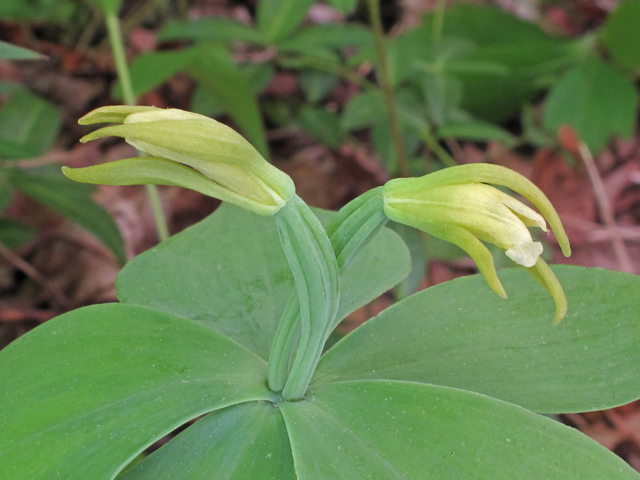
[387,88]
[120,60]
[350,231]
[438,21]
[436,148]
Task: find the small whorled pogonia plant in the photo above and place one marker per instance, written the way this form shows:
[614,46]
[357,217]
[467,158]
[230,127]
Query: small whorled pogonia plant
[229,319]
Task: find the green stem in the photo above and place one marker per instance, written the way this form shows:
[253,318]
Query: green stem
[436,148]
[438,21]
[387,87]
[317,281]
[120,60]
[349,232]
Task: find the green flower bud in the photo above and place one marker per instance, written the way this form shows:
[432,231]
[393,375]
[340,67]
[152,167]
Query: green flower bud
[188,150]
[458,206]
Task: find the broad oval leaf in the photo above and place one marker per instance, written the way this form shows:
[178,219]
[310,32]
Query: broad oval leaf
[399,430]
[229,272]
[86,392]
[459,334]
[246,441]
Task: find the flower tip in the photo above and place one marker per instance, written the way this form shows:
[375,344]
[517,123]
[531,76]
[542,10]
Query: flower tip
[560,314]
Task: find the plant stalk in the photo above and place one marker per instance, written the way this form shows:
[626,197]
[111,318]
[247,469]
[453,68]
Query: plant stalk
[120,60]
[384,77]
[350,231]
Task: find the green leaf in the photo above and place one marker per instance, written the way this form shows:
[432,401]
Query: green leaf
[344,6]
[414,239]
[476,130]
[71,199]
[204,101]
[13,52]
[108,7]
[10,87]
[364,110]
[321,124]
[277,19]
[507,349]
[216,71]
[330,36]
[6,191]
[317,84]
[229,272]
[98,385]
[529,54]
[621,35]
[246,441]
[596,101]
[14,234]
[152,69]
[50,11]
[211,30]
[399,430]
[28,126]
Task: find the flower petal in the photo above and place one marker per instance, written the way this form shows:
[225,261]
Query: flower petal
[543,273]
[459,237]
[159,171]
[113,114]
[525,254]
[497,175]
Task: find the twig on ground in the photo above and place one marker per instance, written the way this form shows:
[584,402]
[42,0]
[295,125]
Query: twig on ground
[606,210]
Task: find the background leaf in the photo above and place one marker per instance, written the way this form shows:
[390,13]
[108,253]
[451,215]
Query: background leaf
[72,200]
[216,71]
[528,53]
[321,124]
[211,30]
[14,234]
[152,69]
[108,7]
[98,385]
[393,430]
[276,19]
[476,130]
[245,294]
[13,52]
[28,126]
[596,101]
[507,349]
[621,34]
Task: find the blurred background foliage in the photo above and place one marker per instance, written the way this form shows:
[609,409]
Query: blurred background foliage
[546,87]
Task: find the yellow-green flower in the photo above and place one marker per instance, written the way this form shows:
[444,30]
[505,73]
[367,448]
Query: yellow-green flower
[188,150]
[457,205]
